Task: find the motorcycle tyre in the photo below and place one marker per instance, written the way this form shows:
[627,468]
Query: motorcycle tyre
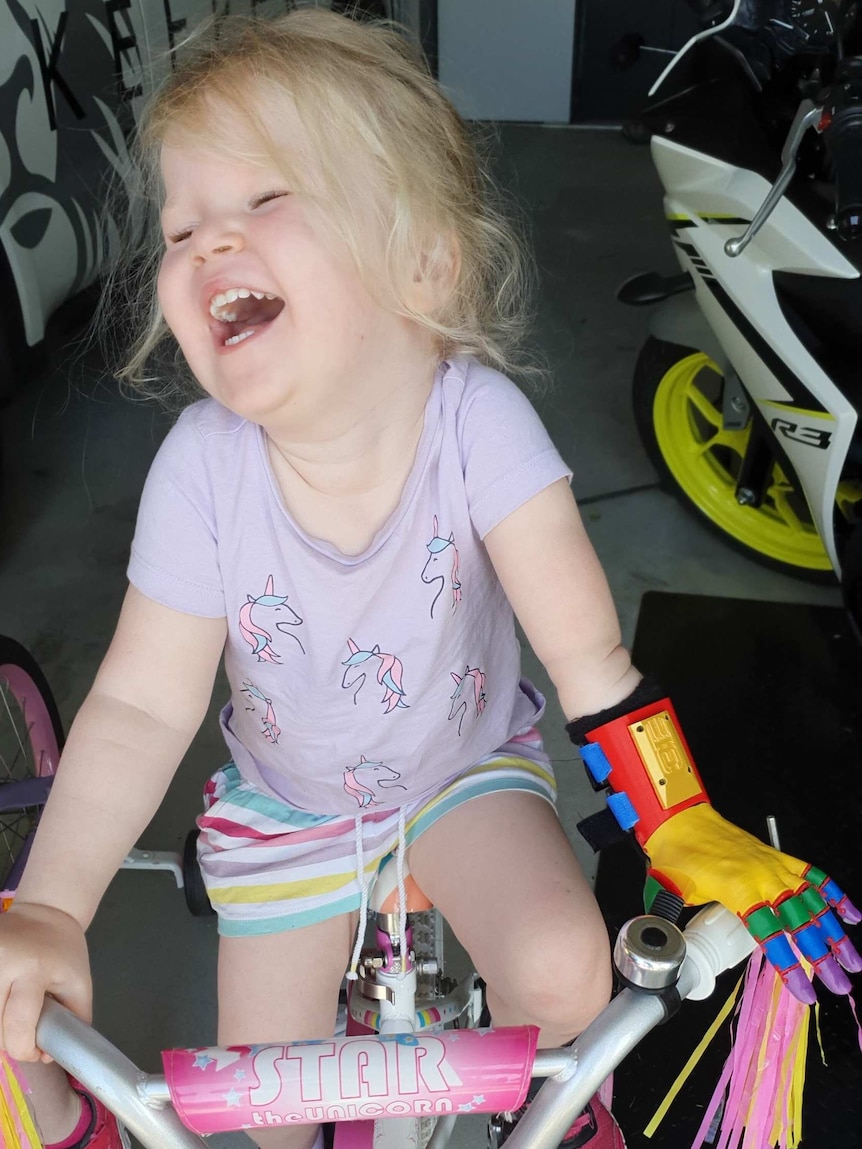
[656,358]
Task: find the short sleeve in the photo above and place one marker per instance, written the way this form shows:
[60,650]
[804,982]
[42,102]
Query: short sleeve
[174,558]
[507,453]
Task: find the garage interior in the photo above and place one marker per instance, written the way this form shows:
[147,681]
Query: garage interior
[75,454]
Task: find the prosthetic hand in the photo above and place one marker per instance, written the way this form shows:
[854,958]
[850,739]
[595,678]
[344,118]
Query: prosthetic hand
[638,752]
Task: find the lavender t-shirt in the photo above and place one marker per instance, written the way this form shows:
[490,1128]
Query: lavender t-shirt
[356,680]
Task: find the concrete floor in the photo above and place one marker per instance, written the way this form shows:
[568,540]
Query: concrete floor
[76,454]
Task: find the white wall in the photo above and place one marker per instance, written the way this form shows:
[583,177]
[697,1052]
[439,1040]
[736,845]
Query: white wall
[508,59]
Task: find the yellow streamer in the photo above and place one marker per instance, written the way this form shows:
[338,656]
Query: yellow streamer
[686,1070]
[12,1120]
[819,1033]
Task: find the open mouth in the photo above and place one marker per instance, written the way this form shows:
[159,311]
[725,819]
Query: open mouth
[241,312]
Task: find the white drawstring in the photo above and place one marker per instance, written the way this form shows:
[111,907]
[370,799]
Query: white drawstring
[402,890]
[400,850]
[352,975]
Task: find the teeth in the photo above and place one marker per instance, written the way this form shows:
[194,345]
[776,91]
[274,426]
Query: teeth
[231,296]
[239,338]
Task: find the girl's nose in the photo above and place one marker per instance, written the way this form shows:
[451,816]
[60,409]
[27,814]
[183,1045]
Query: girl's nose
[211,242]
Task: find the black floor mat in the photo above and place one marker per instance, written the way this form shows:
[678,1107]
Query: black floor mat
[770,698]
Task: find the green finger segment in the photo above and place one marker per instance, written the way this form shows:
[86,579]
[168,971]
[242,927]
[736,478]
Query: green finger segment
[762,923]
[794,914]
[813,900]
[815,877]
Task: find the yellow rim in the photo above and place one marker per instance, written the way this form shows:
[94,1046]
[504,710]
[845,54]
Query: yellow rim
[704,458]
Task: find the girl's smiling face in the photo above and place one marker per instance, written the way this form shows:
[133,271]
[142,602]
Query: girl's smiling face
[268,307]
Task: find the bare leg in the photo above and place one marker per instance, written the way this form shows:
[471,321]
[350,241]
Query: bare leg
[504,875]
[56,1107]
[283,987]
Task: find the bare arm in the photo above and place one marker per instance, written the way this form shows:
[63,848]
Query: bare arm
[558,590]
[147,702]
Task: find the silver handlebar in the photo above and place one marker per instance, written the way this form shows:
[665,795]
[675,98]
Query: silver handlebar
[714,941]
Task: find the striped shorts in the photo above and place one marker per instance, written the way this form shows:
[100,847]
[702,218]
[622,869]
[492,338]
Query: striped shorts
[269,866]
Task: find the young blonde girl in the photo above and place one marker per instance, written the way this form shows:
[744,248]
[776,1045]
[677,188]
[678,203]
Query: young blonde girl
[352,517]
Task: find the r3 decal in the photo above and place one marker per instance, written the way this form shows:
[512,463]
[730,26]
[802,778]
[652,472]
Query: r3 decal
[811,436]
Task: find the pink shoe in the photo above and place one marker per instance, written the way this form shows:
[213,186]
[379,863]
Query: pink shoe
[102,1130]
[595,1128]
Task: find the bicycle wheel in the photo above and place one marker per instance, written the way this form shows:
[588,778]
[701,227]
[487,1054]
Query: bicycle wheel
[31,737]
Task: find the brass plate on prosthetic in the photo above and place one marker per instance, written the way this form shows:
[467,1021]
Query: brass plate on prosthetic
[665,759]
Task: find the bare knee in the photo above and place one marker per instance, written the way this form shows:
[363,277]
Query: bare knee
[559,983]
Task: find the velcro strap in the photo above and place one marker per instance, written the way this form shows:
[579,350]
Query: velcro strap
[601,830]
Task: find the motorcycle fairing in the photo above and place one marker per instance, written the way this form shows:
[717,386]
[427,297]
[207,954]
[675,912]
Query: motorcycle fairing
[705,200]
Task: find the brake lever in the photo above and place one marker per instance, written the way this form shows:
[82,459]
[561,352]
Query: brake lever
[808,115]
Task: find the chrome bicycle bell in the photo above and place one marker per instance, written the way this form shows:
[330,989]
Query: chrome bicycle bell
[648,953]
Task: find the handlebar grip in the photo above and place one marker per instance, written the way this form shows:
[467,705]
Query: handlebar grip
[715,940]
[844,140]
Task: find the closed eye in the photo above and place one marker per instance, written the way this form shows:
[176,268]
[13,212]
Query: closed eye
[267,197]
[178,236]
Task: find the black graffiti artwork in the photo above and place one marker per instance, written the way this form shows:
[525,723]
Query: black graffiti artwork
[78,69]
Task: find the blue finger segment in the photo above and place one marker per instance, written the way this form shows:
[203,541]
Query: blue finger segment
[811,943]
[778,951]
[830,927]
[832,891]
[836,897]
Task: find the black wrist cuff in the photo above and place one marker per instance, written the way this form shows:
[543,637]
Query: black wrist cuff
[648,690]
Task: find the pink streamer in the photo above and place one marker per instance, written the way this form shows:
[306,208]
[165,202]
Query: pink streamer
[756,1091]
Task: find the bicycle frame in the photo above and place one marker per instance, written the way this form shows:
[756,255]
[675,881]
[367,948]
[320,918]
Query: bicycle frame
[248,1087]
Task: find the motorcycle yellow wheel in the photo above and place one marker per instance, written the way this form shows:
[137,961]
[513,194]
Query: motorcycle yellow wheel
[678,405]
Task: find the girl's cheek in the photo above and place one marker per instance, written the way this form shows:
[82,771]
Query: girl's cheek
[164,292]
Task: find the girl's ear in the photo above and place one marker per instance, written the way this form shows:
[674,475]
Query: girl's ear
[435,274]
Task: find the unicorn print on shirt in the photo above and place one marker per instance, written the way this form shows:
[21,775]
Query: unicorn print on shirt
[389,674]
[364,781]
[460,698]
[267,604]
[442,553]
[271,730]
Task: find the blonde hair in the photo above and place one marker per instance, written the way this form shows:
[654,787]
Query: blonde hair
[396,174]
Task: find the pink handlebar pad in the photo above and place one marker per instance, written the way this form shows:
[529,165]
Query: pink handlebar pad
[351,1078]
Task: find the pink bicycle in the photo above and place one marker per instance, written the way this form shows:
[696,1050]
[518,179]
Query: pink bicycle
[412,1059]
[31,738]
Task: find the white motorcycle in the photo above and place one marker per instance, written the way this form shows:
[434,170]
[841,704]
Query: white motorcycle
[747,392]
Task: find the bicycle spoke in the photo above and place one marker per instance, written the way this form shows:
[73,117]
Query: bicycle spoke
[21,752]
[8,765]
[12,837]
